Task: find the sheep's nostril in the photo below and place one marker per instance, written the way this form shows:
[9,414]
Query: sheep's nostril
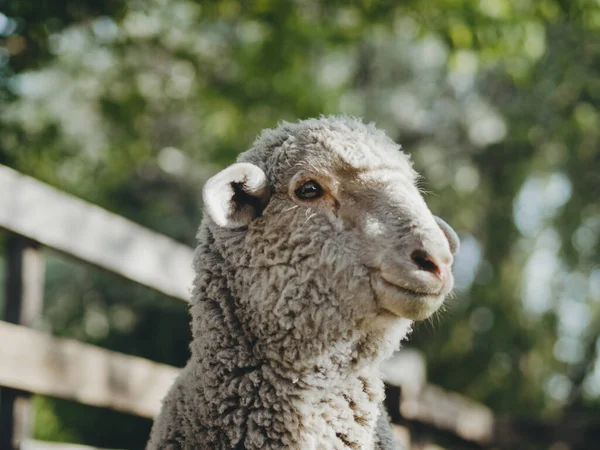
[425,261]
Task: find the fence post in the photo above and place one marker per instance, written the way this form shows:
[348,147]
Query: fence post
[23,302]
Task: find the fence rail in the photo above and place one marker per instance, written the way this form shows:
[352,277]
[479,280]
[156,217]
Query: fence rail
[68,369]
[89,233]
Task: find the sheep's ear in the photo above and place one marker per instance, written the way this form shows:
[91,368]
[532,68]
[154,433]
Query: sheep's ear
[451,235]
[236,195]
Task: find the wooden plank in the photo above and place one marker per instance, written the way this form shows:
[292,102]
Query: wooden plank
[24,286]
[37,363]
[34,272]
[41,445]
[402,435]
[450,411]
[406,369]
[92,234]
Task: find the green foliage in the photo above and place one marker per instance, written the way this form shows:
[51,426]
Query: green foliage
[132,105]
[63,421]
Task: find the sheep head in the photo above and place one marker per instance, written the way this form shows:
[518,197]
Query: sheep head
[324,228]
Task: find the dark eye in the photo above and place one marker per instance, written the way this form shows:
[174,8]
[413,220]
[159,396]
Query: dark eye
[309,190]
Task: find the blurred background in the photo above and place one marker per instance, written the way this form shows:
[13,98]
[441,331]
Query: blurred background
[133,104]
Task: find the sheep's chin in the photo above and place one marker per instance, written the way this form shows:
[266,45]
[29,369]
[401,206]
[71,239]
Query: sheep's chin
[403,302]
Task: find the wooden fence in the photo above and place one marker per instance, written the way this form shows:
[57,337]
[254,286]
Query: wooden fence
[36,215]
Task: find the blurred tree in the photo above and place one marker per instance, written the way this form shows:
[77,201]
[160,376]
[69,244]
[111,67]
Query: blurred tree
[133,104]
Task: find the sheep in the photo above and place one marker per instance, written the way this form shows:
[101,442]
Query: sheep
[316,253]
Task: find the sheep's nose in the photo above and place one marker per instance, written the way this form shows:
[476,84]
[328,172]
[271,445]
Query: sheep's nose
[428,263]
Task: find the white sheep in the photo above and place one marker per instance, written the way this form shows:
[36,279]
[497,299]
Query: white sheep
[315,255]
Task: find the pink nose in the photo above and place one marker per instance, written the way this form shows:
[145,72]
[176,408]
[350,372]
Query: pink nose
[428,263]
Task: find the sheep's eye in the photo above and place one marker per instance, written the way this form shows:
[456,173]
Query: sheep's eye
[309,190]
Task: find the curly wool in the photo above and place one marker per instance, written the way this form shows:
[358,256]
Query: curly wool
[287,331]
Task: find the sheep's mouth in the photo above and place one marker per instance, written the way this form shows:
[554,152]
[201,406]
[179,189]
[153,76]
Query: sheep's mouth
[408,302]
[408,291]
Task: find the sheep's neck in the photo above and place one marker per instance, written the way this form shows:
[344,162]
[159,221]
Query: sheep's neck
[290,397]
[335,405]
[288,411]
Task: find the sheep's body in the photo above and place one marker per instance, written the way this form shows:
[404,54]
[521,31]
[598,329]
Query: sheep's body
[288,331]
[227,397]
